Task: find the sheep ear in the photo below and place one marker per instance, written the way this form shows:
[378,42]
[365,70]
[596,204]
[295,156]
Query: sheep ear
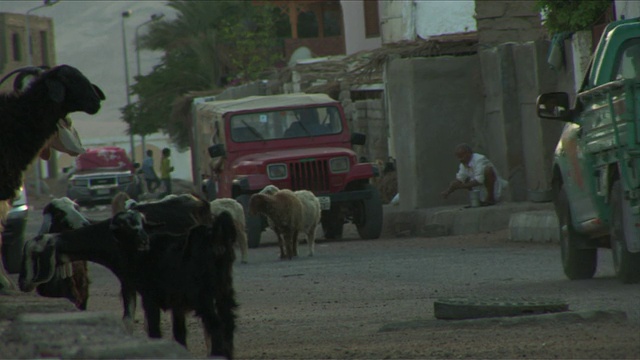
[99,92]
[56,90]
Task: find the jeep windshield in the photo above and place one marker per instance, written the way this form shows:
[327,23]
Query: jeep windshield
[286,124]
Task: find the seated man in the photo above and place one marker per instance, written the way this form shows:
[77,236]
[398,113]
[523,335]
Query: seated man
[306,125]
[476,172]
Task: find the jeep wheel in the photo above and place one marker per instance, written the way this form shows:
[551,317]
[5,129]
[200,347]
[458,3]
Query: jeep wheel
[253,222]
[625,263]
[332,223]
[368,218]
[578,262]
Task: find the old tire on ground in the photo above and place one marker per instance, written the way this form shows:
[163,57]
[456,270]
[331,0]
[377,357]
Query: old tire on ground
[332,223]
[253,222]
[368,218]
[625,263]
[578,261]
[475,308]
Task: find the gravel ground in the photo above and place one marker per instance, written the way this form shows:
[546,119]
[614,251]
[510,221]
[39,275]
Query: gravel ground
[374,299]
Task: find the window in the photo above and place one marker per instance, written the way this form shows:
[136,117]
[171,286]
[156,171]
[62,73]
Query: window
[371,18]
[307,25]
[331,20]
[44,48]
[16,45]
[628,60]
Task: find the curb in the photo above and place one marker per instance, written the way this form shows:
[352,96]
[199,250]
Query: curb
[534,226]
[456,220]
[38,327]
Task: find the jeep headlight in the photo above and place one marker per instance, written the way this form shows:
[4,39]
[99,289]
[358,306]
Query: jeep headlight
[339,165]
[277,171]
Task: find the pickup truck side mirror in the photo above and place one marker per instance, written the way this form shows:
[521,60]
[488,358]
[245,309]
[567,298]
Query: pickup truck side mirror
[554,106]
[358,139]
[216,150]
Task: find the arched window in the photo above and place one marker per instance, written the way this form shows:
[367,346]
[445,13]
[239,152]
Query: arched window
[16,46]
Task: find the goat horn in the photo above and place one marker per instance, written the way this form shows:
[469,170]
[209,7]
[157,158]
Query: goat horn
[17,82]
[31,70]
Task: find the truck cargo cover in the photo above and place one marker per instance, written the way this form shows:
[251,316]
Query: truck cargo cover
[265,102]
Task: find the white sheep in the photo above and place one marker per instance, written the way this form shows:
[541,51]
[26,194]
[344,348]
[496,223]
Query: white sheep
[234,208]
[311,214]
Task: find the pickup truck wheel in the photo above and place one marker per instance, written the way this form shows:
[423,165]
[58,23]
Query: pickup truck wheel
[625,263]
[369,216]
[253,222]
[332,224]
[578,263]
[12,255]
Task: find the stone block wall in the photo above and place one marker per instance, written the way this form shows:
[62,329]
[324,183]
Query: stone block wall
[370,120]
[507,21]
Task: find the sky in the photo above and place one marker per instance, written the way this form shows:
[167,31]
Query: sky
[88,36]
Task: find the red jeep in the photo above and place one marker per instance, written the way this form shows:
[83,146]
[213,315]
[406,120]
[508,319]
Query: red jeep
[294,141]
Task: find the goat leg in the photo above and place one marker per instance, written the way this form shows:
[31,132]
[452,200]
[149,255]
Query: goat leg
[213,329]
[129,304]
[179,327]
[152,315]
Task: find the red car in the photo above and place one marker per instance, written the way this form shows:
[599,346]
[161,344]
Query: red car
[293,141]
[100,173]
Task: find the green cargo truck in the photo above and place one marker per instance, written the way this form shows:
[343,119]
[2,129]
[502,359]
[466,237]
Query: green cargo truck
[596,167]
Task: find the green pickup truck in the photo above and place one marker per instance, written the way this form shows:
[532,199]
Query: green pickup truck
[596,167]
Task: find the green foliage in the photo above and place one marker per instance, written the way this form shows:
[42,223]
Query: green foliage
[207,43]
[571,15]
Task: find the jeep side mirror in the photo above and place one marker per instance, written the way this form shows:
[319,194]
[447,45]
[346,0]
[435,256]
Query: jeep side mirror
[554,106]
[216,150]
[358,139]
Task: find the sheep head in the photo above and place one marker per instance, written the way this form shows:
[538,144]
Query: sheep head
[38,262]
[60,215]
[67,86]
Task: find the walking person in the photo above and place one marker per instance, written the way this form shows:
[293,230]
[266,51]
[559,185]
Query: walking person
[150,176]
[165,171]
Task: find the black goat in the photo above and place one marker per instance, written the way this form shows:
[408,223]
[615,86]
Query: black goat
[112,243]
[30,118]
[178,213]
[70,280]
[192,274]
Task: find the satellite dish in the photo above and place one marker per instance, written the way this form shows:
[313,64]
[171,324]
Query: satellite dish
[300,53]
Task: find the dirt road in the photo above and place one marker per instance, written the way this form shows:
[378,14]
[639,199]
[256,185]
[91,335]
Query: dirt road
[374,300]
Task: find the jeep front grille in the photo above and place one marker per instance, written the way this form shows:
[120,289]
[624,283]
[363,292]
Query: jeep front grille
[310,175]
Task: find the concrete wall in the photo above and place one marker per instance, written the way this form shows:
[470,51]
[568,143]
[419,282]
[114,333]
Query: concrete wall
[354,31]
[409,20]
[434,103]
[627,8]
[519,144]
[444,17]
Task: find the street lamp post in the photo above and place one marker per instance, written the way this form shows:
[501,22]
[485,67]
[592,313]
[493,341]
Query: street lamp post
[153,18]
[126,14]
[45,3]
